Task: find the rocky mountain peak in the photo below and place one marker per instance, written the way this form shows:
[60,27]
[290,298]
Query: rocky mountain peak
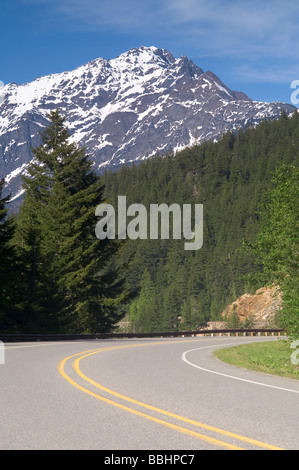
[122,110]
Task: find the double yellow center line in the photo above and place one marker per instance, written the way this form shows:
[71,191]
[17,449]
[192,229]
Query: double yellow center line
[112,393]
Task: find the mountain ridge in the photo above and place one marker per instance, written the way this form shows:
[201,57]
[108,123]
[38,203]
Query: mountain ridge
[123,110]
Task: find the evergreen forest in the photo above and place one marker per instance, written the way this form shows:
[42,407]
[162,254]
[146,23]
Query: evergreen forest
[56,276]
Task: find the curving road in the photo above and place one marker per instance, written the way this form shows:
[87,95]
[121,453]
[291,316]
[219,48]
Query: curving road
[169,394]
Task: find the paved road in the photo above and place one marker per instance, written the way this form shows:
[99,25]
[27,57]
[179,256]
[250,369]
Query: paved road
[169,394]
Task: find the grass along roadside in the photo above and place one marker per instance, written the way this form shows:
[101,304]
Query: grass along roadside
[272,358]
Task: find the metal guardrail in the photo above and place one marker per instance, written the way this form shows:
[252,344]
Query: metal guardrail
[6,338]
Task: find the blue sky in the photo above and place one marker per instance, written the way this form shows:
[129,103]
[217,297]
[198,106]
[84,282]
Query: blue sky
[253,46]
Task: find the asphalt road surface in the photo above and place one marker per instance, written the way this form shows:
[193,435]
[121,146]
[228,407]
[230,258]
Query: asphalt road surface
[141,394]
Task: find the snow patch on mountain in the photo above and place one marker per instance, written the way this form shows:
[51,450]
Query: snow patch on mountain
[123,110]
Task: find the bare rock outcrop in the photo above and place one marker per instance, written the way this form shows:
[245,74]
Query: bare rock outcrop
[261,307]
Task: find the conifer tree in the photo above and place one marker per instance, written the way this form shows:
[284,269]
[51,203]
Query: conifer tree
[146,314]
[7,263]
[68,272]
[278,242]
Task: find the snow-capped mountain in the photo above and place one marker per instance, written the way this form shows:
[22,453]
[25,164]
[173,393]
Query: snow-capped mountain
[122,110]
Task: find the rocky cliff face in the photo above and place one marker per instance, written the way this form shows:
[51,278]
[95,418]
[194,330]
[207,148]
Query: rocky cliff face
[260,307]
[122,110]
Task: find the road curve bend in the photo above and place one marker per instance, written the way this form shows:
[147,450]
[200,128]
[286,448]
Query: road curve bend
[137,394]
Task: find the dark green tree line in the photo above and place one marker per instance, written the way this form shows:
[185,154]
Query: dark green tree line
[57,277]
[230,178]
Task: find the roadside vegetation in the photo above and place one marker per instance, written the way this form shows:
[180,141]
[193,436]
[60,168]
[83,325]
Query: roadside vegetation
[274,357]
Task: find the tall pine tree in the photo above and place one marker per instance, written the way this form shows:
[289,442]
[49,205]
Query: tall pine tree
[70,282]
[8,266]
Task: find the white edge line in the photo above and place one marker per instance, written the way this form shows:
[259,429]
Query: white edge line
[227,375]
